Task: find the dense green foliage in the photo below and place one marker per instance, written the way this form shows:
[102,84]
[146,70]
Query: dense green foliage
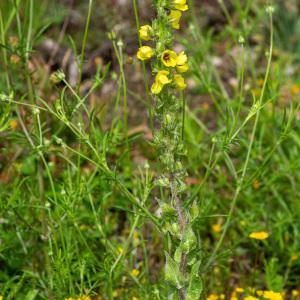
[79,208]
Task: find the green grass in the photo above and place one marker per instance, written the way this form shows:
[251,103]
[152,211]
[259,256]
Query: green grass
[78,209]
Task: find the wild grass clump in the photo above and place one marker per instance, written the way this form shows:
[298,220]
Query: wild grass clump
[155,159]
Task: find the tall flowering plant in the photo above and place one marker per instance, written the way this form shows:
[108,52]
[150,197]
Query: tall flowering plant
[181,243]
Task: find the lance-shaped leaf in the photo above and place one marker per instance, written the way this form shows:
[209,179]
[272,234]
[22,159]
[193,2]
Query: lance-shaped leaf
[195,285]
[172,272]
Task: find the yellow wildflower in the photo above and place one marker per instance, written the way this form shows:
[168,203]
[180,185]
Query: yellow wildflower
[260,235]
[295,89]
[259,293]
[180,5]
[222,296]
[169,58]
[135,298]
[295,293]
[181,58]
[175,16]
[145,52]
[239,290]
[13,125]
[84,298]
[256,184]
[135,272]
[213,297]
[179,81]
[250,298]
[1,297]
[182,63]
[161,80]
[145,32]
[69,298]
[216,228]
[272,295]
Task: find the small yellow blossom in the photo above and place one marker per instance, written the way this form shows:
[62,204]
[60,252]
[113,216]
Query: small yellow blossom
[295,293]
[135,298]
[216,228]
[169,58]
[181,58]
[234,298]
[179,81]
[213,297]
[161,80]
[222,296]
[13,125]
[272,295]
[239,290]
[295,89]
[69,298]
[182,63]
[250,298]
[145,32]
[83,298]
[259,293]
[180,5]
[175,16]
[256,184]
[135,272]
[145,52]
[1,297]
[260,235]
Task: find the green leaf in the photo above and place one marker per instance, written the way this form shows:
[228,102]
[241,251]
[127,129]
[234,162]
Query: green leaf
[31,295]
[172,272]
[195,285]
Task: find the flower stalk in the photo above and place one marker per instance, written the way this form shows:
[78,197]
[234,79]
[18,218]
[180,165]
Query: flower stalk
[182,278]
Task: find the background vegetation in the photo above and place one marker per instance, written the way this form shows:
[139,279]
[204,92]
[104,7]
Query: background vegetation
[76,149]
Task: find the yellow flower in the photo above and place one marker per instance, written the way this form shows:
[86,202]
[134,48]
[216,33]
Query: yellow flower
[213,297]
[135,272]
[84,298]
[222,296]
[260,235]
[145,52]
[161,80]
[181,58]
[295,89]
[135,298]
[239,290]
[259,293]
[69,298]
[182,63]
[216,228]
[179,81]
[1,297]
[175,16]
[169,58]
[295,293]
[145,32]
[180,5]
[250,298]
[272,295]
